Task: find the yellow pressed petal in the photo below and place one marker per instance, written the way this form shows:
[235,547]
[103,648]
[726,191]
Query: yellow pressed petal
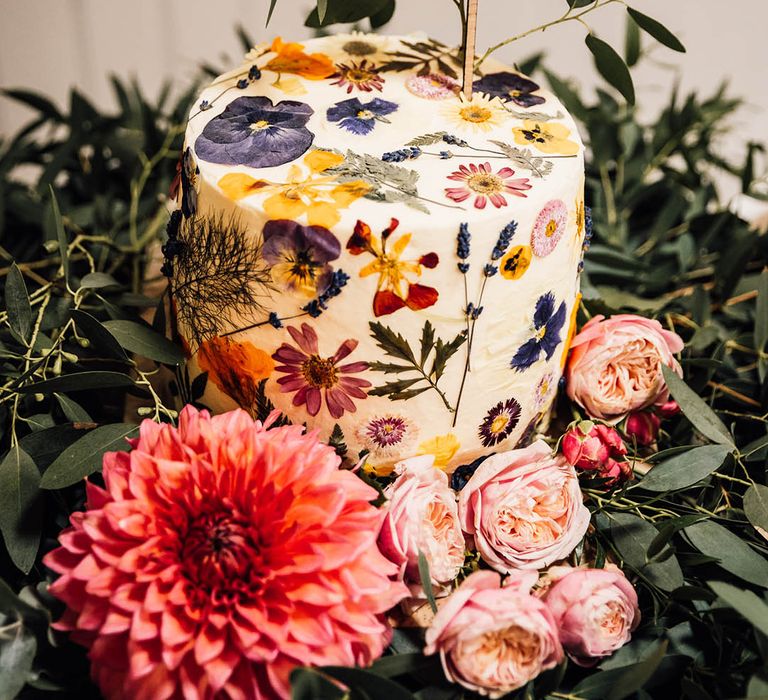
[348,192]
[443,447]
[322,214]
[290,86]
[295,174]
[400,245]
[239,185]
[371,268]
[571,332]
[278,206]
[319,160]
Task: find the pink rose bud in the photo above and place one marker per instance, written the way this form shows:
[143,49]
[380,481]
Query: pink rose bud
[615,471]
[669,409]
[589,446]
[643,427]
[595,610]
[422,516]
[492,639]
[612,440]
[524,509]
[614,367]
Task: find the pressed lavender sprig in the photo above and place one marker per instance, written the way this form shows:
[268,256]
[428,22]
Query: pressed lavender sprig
[472,311]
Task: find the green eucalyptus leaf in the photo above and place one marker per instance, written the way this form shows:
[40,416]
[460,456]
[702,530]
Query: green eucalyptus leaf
[61,234]
[746,603]
[685,469]
[72,410]
[17,653]
[633,537]
[611,66]
[309,684]
[380,18]
[322,9]
[84,456]
[657,30]
[426,581]
[632,43]
[573,4]
[704,419]
[272,5]
[731,552]
[17,303]
[21,507]
[142,340]
[78,381]
[375,687]
[756,506]
[400,664]
[619,683]
[98,335]
[98,280]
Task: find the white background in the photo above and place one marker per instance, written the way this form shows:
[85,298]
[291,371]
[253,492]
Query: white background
[49,45]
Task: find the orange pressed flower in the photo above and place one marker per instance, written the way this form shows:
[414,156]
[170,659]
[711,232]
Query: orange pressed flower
[235,368]
[292,59]
[571,331]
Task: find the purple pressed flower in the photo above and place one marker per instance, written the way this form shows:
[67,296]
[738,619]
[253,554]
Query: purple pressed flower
[547,324]
[252,131]
[299,255]
[499,422]
[360,118]
[510,87]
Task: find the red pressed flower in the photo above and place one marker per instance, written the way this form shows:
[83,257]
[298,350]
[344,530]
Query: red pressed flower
[220,556]
[313,377]
[364,76]
[486,185]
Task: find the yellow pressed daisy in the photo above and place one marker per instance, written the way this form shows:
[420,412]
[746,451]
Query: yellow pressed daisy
[481,113]
[547,137]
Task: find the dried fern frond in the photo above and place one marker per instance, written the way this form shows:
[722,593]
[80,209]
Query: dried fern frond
[219,276]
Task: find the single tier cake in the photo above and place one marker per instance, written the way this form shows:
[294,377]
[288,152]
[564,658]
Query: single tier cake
[379,256]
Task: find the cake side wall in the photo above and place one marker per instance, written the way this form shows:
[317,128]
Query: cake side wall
[504,391]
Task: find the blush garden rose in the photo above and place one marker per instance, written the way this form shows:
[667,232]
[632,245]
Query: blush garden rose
[615,365]
[595,610]
[493,639]
[422,516]
[523,509]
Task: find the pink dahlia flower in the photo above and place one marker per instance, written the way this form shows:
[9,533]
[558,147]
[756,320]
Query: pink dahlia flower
[220,556]
[481,181]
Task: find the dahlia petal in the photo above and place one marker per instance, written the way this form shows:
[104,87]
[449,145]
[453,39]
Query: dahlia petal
[209,643]
[480,201]
[344,349]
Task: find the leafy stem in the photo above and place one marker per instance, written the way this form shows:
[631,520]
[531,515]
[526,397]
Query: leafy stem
[566,17]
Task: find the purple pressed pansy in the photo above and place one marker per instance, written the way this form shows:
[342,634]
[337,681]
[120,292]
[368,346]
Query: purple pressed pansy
[510,87]
[252,131]
[299,255]
[547,324]
[360,118]
[499,422]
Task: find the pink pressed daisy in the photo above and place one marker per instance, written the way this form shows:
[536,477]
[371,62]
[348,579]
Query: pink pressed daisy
[486,185]
[312,376]
[549,227]
[220,556]
[432,86]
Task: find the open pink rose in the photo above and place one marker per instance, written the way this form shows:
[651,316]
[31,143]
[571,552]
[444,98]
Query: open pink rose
[615,365]
[595,610]
[422,516]
[492,639]
[524,509]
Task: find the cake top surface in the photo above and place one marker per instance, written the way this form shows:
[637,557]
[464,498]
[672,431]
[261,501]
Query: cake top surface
[324,127]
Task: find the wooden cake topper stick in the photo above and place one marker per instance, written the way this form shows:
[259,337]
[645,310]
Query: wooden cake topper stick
[469,49]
